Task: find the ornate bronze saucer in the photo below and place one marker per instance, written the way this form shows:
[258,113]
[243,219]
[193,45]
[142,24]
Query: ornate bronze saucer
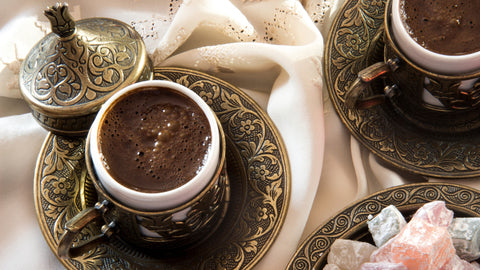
[257,165]
[351,222]
[355,42]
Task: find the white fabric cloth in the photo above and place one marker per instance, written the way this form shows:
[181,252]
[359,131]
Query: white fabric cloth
[270,49]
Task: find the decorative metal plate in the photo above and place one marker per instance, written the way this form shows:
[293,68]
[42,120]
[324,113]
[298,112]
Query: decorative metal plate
[351,222]
[258,169]
[355,41]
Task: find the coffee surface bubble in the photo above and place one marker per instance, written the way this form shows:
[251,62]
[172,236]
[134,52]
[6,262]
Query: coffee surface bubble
[155,140]
[446,27]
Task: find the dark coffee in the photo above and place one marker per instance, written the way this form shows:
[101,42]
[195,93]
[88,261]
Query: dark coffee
[447,27]
[154,140]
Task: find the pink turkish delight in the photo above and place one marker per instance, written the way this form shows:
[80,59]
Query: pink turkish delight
[435,213]
[424,243]
[428,242]
[349,254]
[419,245]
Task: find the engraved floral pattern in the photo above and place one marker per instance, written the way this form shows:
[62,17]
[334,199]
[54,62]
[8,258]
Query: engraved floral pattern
[261,172]
[247,126]
[207,97]
[261,214]
[353,41]
[61,186]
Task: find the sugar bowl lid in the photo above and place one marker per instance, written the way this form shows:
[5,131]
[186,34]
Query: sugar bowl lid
[71,72]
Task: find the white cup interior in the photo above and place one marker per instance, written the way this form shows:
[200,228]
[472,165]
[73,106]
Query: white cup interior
[159,200]
[440,63]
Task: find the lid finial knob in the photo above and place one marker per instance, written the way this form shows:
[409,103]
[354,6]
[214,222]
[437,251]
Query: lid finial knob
[60,19]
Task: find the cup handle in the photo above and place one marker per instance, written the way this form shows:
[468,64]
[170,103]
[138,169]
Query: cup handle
[74,226]
[366,76]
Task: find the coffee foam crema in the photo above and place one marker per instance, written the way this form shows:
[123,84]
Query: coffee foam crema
[445,27]
[154,141]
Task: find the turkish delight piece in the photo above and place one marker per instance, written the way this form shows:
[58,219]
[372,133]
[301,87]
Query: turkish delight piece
[435,213]
[349,254]
[457,263]
[475,265]
[465,234]
[419,245]
[383,266]
[386,225]
[331,266]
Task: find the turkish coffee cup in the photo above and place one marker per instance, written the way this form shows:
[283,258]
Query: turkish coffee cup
[156,156]
[435,89]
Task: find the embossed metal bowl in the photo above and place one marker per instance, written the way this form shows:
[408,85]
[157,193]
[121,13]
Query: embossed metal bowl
[70,73]
[351,222]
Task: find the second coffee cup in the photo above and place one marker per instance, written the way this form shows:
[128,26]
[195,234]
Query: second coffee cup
[156,155]
[436,91]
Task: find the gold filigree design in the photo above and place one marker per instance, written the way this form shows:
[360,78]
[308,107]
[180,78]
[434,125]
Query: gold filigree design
[257,167]
[81,67]
[354,35]
[350,223]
